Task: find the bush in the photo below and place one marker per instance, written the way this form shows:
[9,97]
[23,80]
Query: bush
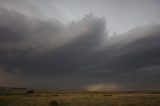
[107,95]
[91,95]
[30,91]
[53,103]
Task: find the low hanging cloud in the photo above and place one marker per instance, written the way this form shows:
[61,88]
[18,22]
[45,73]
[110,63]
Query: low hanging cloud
[79,55]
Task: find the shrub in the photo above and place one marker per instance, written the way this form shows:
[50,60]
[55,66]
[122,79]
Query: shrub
[107,95]
[53,103]
[30,91]
[91,95]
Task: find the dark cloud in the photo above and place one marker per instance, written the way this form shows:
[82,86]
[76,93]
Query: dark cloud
[76,55]
[18,31]
[18,47]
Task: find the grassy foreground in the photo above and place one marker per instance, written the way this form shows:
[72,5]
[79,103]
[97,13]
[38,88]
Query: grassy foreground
[25,97]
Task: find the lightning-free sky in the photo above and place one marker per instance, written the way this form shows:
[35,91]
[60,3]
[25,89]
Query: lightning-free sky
[80,44]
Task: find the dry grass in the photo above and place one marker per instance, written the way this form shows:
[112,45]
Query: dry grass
[52,98]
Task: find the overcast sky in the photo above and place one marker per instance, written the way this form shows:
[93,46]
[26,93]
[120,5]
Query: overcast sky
[80,44]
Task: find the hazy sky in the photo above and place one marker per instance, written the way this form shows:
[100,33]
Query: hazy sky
[121,15]
[69,44]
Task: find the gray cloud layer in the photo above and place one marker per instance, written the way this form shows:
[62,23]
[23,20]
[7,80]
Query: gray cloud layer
[39,53]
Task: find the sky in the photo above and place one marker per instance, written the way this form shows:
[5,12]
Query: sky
[94,45]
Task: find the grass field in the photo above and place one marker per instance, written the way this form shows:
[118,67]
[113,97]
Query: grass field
[25,97]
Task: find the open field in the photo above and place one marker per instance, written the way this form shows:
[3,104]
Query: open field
[25,97]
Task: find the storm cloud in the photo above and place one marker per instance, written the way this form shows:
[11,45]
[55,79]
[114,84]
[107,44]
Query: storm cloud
[37,52]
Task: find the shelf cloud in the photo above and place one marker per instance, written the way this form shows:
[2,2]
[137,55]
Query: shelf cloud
[39,52]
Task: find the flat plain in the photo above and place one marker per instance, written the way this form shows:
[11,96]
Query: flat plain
[26,97]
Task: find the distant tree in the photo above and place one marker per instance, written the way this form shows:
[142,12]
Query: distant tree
[30,91]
